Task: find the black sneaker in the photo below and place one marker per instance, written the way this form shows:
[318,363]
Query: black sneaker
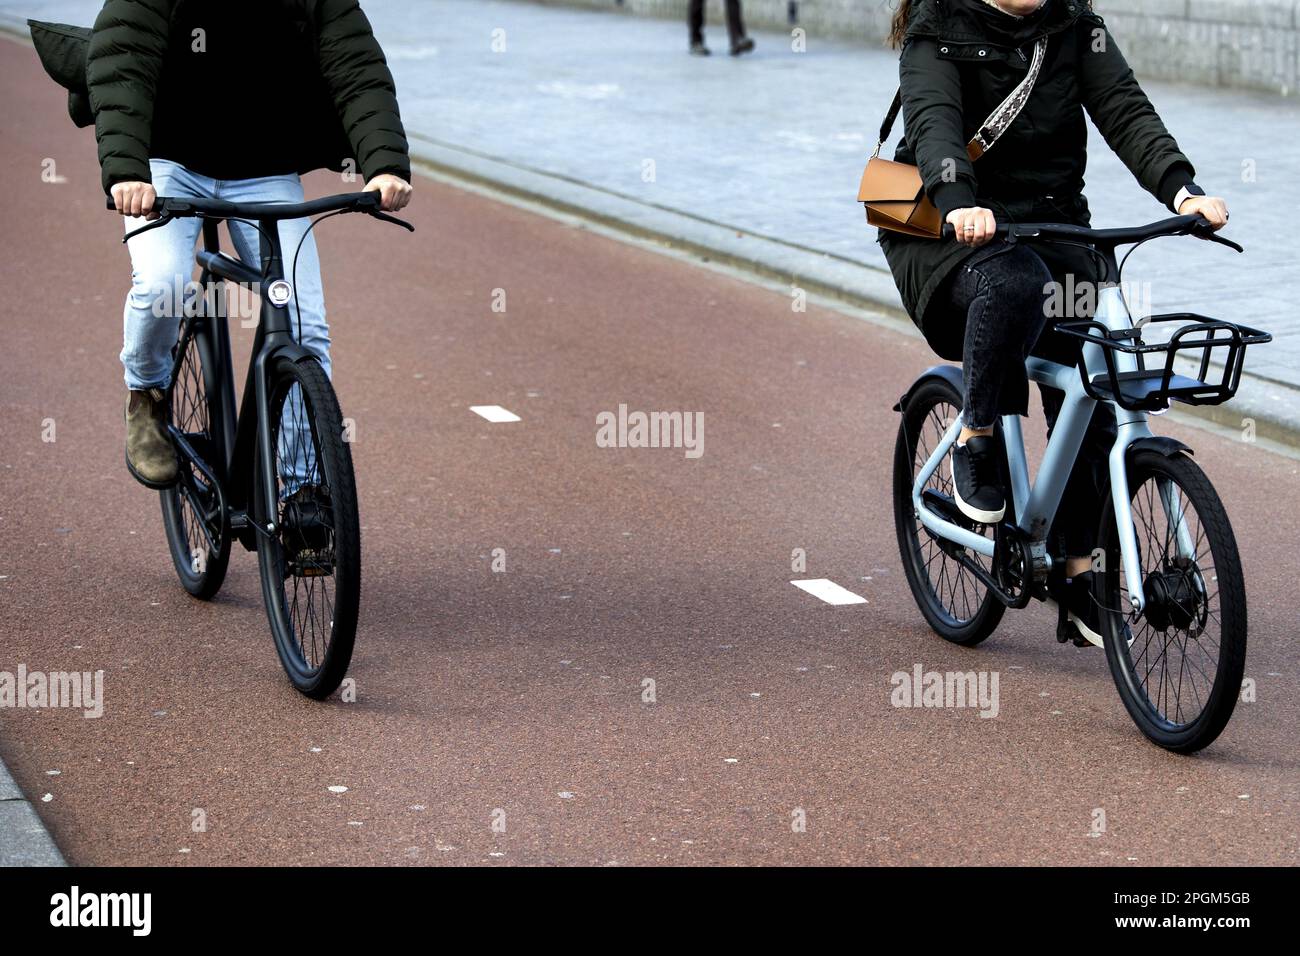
[698,48]
[975,483]
[1080,614]
[743,45]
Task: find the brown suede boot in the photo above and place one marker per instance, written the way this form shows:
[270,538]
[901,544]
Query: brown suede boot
[149,453]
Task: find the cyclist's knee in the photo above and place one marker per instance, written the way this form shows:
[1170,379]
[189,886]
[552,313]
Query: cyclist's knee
[159,291]
[1029,285]
[1022,282]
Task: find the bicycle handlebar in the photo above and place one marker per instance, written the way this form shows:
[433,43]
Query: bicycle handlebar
[1195,225]
[170,207]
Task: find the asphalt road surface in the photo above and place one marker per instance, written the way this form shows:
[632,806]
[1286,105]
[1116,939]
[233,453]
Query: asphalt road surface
[502,717]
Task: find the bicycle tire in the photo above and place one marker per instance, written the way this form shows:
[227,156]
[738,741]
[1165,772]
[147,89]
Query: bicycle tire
[315,658]
[196,410]
[1175,589]
[918,434]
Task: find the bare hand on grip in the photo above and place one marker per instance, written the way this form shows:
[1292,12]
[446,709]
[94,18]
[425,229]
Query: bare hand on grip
[394,191]
[135,199]
[974,226]
[1212,208]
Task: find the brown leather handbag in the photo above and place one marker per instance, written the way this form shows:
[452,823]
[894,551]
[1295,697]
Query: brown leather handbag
[894,193]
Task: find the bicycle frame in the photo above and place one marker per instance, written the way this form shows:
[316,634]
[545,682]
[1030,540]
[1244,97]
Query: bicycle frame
[1035,505]
[250,430]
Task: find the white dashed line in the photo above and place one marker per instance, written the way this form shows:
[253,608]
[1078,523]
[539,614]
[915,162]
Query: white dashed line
[495,413]
[829,591]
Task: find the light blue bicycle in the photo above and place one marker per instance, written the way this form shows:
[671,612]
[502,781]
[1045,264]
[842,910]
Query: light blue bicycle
[1169,581]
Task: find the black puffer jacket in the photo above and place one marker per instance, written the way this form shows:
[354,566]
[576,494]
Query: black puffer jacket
[338,100]
[961,58]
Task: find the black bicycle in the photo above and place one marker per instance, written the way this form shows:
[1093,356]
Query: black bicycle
[277,477]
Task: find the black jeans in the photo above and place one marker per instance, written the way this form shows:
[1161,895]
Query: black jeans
[735,25]
[1003,291]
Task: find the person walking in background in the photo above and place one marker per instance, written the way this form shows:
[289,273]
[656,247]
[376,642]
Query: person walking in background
[735,28]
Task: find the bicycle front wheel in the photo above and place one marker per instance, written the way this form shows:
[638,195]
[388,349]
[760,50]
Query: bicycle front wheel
[1178,665]
[311,566]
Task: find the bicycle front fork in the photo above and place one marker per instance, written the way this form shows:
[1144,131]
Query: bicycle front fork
[266,452]
[1171,504]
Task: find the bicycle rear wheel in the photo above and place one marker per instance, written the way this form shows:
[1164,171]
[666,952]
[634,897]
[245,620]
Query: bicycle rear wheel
[311,567]
[193,509]
[955,603]
[1180,674]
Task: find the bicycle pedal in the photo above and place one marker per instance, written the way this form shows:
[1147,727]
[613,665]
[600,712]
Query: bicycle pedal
[1065,629]
[1065,633]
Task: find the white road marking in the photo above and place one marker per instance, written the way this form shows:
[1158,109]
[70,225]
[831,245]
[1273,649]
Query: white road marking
[494,413]
[829,591]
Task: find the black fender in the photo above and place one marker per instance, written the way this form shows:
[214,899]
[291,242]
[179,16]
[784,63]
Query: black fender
[293,352]
[948,373]
[1159,443]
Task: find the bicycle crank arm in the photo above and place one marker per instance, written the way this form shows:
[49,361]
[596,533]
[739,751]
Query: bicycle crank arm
[946,508]
[189,456]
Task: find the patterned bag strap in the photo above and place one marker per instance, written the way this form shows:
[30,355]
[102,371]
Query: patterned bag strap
[1010,108]
[998,121]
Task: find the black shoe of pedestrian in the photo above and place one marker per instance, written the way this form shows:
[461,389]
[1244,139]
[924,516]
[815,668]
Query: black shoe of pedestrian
[1080,614]
[975,483]
[743,45]
[698,48]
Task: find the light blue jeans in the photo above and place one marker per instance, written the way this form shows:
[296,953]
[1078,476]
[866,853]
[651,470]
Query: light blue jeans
[162,263]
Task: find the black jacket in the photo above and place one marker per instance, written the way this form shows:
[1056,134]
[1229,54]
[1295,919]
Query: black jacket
[960,59]
[338,100]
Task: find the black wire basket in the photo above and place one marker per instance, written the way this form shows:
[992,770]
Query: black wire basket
[1218,348]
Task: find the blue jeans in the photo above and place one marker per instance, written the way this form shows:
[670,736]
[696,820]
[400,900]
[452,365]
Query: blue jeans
[162,263]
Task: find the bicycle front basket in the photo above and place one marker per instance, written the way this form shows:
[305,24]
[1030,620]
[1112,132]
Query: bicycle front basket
[1216,348]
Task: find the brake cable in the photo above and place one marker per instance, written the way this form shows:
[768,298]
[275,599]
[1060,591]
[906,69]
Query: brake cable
[293,271]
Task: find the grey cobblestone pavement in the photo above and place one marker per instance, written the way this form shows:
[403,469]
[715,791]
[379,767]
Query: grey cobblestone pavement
[772,145]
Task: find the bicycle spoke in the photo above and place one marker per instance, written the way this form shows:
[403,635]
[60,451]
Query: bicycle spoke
[197,511]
